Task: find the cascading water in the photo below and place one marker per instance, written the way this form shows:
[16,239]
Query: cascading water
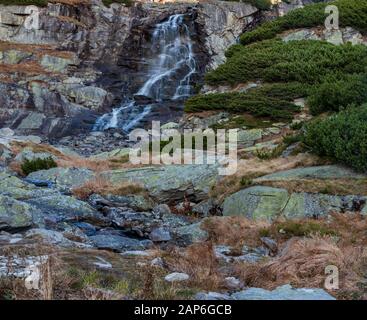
[169,79]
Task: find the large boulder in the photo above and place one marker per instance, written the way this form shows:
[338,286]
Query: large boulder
[63,177]
[285,292]
[14,214]
[318,172]
[256,202]
[172,182]
[314,205]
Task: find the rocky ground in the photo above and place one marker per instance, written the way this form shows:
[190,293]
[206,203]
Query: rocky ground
[94,226]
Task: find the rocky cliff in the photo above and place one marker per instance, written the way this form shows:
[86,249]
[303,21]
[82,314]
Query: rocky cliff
[63,65]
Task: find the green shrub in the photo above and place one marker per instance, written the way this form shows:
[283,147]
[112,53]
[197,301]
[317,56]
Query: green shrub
[335,94]
[37,164]
[353,13]
[342,136]
[296,61]
[256,104]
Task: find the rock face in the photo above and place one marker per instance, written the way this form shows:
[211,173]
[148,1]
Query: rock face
[222,23]
[64,65]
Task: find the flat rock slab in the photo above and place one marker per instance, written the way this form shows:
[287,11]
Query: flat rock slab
[256,202]
[317,172]
[171,182]
[260,202]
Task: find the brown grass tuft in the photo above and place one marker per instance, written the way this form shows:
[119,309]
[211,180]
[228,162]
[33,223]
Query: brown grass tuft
[103,186]
[200,263]
[234,231]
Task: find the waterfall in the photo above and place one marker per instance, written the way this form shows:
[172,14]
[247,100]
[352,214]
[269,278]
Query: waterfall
[169,75]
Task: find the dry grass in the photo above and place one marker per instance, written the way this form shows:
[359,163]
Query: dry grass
[234,231]
[254,168]
[200,263]
[302,263]
[103,186]
[66,161]
[302,260]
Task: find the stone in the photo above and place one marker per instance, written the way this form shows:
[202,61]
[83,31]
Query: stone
[6,132]
[248,137]
[189,234]
[116,153]
[63,177]
[56,64]
[315,205]
[115,242]
[170,183]
[135,201]
[162,209]
[170,125]
[27,153]
[140,253]
[206,208]
[157,262]
[270,244]
[33,121]
[88,96]
[52,237]
[14,214]
[328,172]
[256,202]
[334,36]
[211,296]
[160,235]
[233,283]
[285,292]
[176,277]
[304,34]
[15,56]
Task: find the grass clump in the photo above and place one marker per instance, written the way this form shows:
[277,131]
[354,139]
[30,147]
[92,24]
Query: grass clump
[342,136]
[37,164]
[353,13]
